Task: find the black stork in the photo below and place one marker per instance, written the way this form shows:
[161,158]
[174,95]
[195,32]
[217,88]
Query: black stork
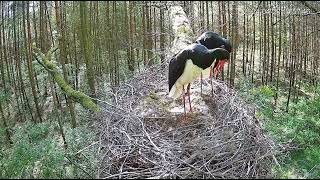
[187,66]
[212,40]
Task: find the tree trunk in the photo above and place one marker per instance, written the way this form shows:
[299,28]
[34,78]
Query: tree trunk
[63,58]
[86,47]
[162,37]
[5,124]
[279,55]
[30,68]
[181,29]
[235,41]
[253,54]
[131,33]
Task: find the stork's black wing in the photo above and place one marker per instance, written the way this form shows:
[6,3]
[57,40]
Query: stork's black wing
[210,39]
[176,66]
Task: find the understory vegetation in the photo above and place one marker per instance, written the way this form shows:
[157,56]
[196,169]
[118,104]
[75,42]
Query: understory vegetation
[38,150]
[297,131]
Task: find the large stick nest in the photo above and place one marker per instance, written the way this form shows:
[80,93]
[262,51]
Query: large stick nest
[142,138]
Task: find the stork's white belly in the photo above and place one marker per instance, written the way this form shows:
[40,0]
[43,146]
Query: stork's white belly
[190,73]
[206,72]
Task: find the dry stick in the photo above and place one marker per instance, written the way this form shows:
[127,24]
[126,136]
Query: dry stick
[86,147]
[148,135]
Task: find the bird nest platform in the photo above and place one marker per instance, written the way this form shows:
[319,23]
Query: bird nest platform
[145,135]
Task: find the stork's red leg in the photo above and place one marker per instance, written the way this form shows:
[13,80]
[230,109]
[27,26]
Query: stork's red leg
[188,91]
[201,84]
[211,87]
[211,81]
[216,72]
[184,104]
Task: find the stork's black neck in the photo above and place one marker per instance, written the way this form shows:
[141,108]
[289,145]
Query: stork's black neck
[218,53]
[203,57]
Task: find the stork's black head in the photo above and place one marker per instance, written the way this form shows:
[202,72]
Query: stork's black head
[227,45]
[220,54]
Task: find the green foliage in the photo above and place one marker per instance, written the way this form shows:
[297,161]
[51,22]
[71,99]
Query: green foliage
[33,154]
[84,141]
[4,96]
[314,106]
[38,152]
[184,30]
[261,96]
[80,137]
[2,137]
[301,164]
[299,128]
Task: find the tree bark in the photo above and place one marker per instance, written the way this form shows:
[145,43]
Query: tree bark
[86,47]
[30,69]
[181,29]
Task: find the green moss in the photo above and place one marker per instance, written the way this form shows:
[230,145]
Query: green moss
[78,96]
[184,30]
[154,96]
[90,105]
[50,65]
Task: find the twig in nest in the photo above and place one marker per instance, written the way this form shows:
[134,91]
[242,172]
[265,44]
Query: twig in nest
[229,145]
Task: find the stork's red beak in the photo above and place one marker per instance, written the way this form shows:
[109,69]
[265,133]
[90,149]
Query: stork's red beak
[219,67]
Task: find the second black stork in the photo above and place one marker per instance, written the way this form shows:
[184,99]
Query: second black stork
[187,66]
[212,40]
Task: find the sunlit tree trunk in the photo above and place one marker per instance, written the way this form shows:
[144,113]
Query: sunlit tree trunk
[86,47]
[235,39]
[279,54]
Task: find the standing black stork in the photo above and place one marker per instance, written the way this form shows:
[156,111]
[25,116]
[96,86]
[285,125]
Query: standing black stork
[187,65]
[212,40]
